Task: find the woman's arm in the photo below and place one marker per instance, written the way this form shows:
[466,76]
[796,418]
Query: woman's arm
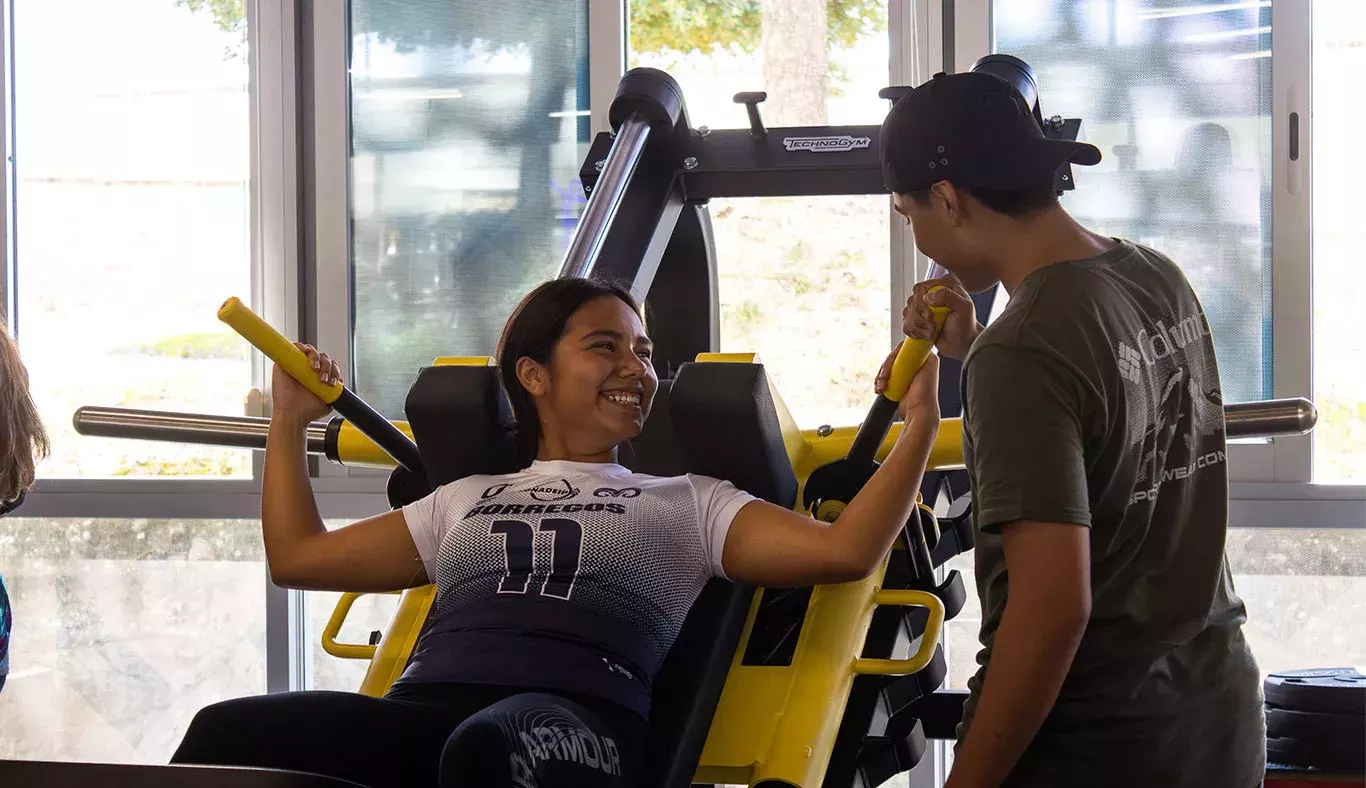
[375,554]
[768,545]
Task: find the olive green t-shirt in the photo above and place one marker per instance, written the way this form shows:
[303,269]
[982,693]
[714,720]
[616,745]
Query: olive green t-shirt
[1094,399]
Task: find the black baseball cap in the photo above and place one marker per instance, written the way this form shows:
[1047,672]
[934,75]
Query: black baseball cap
[973,129]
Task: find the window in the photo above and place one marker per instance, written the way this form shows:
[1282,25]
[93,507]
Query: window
[1179,101]
[370,614]
[123,629]
[803,281]
[469,123]
[1303,589]
[130,189]
[1339,235]
[960,634]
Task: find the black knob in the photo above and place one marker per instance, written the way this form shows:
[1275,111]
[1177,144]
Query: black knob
[752,100]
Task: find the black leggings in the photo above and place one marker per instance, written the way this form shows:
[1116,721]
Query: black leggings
[444,735]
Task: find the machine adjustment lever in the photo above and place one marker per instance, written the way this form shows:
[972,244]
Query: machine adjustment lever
[752,101]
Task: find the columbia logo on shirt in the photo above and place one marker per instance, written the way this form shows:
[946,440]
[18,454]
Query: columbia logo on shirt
[1128,363]
[1163,342]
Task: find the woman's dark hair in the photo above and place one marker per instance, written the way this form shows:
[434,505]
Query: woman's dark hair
[23,441]
[532,331]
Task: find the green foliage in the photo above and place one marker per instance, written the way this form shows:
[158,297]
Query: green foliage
[219,465]
[216,345]
[229,15]
[1341,433]
[656,25]
[688,25]
[743,318]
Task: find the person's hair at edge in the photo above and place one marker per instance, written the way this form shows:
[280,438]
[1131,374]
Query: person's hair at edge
[532,331]
[1017,204]
[23,441]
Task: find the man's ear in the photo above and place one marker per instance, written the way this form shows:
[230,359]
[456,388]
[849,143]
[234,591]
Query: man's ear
[949,201]
[533,376]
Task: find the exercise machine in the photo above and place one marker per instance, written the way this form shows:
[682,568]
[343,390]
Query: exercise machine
[836,686]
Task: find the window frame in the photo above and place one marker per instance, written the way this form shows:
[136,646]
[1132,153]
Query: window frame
[273,271]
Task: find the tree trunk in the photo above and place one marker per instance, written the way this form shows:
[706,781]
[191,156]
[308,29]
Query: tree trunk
[796,63]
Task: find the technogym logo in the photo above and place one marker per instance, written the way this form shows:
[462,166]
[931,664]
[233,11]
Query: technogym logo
[1154,346]
[834,144]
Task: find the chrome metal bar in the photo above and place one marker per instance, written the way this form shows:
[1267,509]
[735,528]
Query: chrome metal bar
[245,432]
[1265,419]
[1270,418]
[591,230]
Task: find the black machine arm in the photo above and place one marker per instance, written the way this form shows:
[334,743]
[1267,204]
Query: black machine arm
[649,121]
[803,160]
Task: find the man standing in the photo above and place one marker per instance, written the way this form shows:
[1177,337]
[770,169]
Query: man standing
[1112,645]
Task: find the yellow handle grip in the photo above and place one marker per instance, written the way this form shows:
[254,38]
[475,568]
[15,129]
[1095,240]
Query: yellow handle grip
[333,628]
[278,349]
[928,642]
[913,353]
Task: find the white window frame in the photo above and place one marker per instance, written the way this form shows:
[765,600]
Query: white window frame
[273,270]
[917,29]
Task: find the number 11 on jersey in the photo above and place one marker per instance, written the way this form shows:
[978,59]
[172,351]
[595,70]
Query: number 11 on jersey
[519,540]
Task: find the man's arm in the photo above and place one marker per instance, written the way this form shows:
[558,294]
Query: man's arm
[1049,565]
[1024,419]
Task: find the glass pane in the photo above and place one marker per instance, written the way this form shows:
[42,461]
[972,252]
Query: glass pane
[715,50]
[1305,592]
[961,632]
[369,615]
[1339,237]
[132,167]
[1179,103]
[123,629]
[469,123]
[803,282]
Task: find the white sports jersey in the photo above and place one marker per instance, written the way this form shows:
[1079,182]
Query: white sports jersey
[567,575]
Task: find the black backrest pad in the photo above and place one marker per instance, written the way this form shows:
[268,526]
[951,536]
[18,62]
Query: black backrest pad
[727,427]
[462,422]
[654,451]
